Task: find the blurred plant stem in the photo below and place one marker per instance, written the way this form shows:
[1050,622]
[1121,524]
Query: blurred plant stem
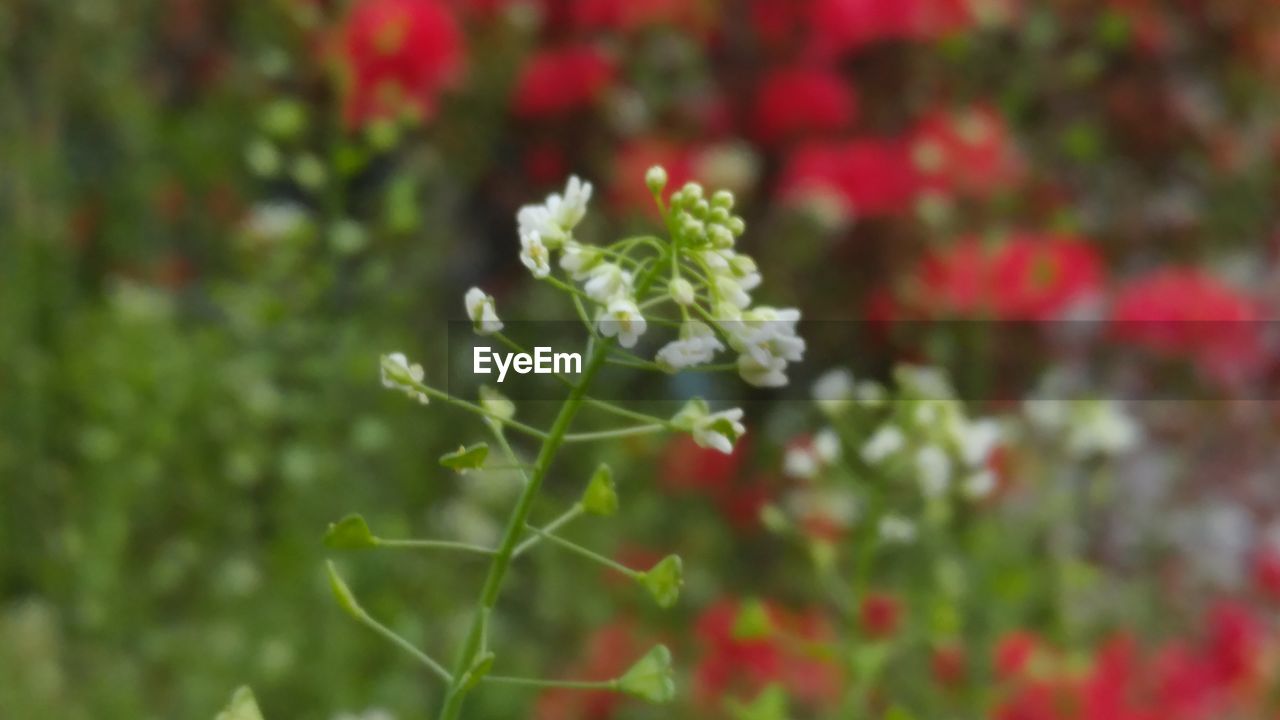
[515,529]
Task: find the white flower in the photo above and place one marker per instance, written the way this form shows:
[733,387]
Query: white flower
[622,318]
[826,445]
[607,281]
[977,440]
[935,471]
[398,374]
[1102,427]
[555,219]
[719,430]
[800,462]
[979,485]
[768,374]
[729,290]
[681,291]
[534,254]
[897,529]
[886,441]
[579,260]
[767,332]
[481,310]
[833,391]
[697,345]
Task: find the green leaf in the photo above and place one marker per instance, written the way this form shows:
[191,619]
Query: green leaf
[770,704]
[753,621]
[243,706]
[601,495]
[349,533]
[466,458]
[481,667]
[664,580]
[651,677]
[342,593]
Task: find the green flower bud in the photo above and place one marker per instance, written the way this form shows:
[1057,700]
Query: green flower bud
[722,199]
[663,580]
[682,292]
[656,179]
[601,496]
[651,677]
[736,225]
[342,593]
[465,458]
[349,533]
[243,706]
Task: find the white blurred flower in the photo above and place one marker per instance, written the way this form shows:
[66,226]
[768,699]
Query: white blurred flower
[1087,427]
[534,254]
[770,373]
[718,430]
[979,485]
[833,391]
[482,311]
[934,467]
[697,345]
[800,462]
[826,445]
[607,281]
[897,529]
[622,318]
[555,219]
[977,440]
[886,441]
[398,374]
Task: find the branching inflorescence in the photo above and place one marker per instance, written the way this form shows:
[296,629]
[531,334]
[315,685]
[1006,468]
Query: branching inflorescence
[620,291]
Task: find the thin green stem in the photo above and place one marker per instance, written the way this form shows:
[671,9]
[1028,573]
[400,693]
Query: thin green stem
[452,708]
[433,545]
[619,433]
[623,412]
[567,684]
[587,553]
[405,645]
[479,409]
[565,518]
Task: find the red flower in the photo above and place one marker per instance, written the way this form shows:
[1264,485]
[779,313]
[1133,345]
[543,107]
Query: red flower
[800,101]
[1234,646]
[1182,312]
[1266,572]
[398,56]
[967,153]
[731,665]
[555,82]
[1014,652]
[630,15]
[841,25]
[880,615]
[949,665]
[1029,277]
[688,468]
[870,177]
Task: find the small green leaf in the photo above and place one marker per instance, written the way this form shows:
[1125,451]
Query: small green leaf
[243,706]
[651,677]
[664,580]
[601,495]
[753,621]
[481,667]
[465,458]
[349,533]
[346,600]
[770,704]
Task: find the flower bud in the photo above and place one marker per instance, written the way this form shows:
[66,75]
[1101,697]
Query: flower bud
[651,677]
[656,179]
[663,580]
[601,495]
[682,292]
[722,199]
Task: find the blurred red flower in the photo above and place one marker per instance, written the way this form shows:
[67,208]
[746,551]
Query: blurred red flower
[949,665]
[1014,652]
[966,153]
[880,614]
[743,666]
[795,102]
[558,81]
[630,15]
[398,55]
[687,468]
[1186,313]
[870,177]
[1266,572]
[843,25]
[1028,277]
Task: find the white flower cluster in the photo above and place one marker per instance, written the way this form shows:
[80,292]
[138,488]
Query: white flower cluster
[1084,427]
[718,430]
[399,374]
[929,436]
[700,272]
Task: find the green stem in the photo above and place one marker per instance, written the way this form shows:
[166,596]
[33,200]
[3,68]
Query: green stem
[569,684]
[405,645]
[591,555]
[456,695]
[620,432]
[480,410]
[433,545]
[569,516]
